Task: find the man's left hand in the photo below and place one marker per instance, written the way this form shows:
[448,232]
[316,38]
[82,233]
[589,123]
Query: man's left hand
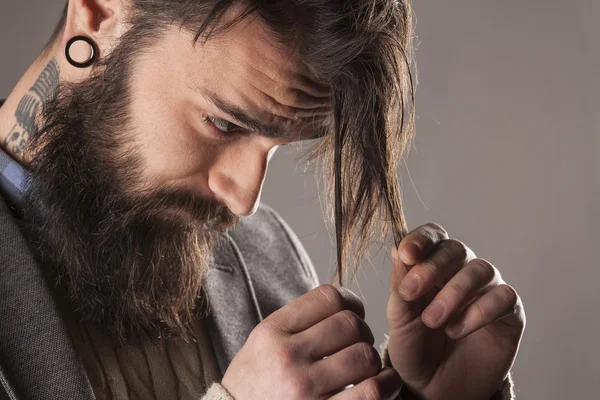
[433,356]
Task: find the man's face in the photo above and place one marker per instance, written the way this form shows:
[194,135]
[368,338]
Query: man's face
[139,170]
[181,96]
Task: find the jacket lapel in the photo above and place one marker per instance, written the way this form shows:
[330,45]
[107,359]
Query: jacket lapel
[233,307]
[37,355]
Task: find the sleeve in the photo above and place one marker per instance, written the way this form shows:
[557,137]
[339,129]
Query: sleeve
[505,392]
[217,392]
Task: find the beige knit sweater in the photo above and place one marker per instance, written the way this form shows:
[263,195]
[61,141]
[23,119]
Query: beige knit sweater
[175,369]
[172,370]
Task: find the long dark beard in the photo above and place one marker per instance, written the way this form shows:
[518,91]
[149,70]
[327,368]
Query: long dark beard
[132,260]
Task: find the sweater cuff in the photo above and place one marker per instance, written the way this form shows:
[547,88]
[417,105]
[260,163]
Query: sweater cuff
[217,392]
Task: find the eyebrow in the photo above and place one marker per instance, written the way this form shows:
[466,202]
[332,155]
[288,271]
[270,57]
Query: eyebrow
[241,116]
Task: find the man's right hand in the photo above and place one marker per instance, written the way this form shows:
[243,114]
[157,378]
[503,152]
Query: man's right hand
[283,357]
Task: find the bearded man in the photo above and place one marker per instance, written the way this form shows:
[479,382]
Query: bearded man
[135,259]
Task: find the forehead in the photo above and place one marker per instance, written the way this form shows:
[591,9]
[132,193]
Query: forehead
[251,40]
[247,67]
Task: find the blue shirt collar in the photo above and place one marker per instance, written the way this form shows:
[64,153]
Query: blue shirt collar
[13,178]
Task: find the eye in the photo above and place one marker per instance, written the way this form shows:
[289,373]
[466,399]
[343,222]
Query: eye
[222,125]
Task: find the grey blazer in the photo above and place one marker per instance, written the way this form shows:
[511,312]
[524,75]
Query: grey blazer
[262,267]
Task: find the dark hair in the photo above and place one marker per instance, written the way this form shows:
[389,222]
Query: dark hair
[363,49]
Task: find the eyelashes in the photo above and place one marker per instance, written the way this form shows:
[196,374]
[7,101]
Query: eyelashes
[222,126]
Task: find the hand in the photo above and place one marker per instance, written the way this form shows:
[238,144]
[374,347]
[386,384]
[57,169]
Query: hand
[434,358]
[283,357]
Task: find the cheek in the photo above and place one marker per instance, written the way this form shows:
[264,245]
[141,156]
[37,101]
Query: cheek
[169,147]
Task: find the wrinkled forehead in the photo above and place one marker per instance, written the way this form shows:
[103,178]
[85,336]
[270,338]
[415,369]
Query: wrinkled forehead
[248,67]
[251,39]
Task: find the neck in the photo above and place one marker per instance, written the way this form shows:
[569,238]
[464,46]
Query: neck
[19,114]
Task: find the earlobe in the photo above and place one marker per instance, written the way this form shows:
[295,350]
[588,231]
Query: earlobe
[91,52]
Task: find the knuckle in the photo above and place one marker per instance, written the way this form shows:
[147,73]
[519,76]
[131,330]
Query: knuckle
[305,387]
[354,324]
[297,384]
[285,358]
[482,307]
[458,248]
[349,320]
[368,356]
[438,228]
[487,270]
[431,267]
[263,332]
[508,295]
[294,349]
[373,390]
[521,311]
[457,290]
[424,238]
[331,295]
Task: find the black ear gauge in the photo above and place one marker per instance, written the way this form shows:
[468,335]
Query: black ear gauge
[93,52]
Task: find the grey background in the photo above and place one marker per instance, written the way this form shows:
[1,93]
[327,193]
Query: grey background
[506,158]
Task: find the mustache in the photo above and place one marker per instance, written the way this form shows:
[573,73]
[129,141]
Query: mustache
[174,204]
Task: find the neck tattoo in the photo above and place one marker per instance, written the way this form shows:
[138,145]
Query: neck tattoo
[43,89]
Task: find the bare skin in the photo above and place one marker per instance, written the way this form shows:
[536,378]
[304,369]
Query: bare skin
[176,87]
[284,355]
[40,80]
[17,115]
[466,349]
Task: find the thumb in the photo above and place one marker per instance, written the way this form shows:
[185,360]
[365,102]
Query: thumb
[410,340]
[401,312]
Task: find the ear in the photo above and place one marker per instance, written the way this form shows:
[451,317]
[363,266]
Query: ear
[100,20]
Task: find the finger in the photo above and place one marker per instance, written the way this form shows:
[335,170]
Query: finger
[315,306]
[469,282]
[417,245]
[401,313]
[500,302]
[447,258]
[348,366]
[333,334]
[386,385]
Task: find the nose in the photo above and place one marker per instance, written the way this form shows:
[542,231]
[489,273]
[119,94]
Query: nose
[237,179]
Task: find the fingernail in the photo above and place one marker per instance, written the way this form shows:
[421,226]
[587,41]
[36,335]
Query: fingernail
[456,330]
[435,311]
[410,285]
